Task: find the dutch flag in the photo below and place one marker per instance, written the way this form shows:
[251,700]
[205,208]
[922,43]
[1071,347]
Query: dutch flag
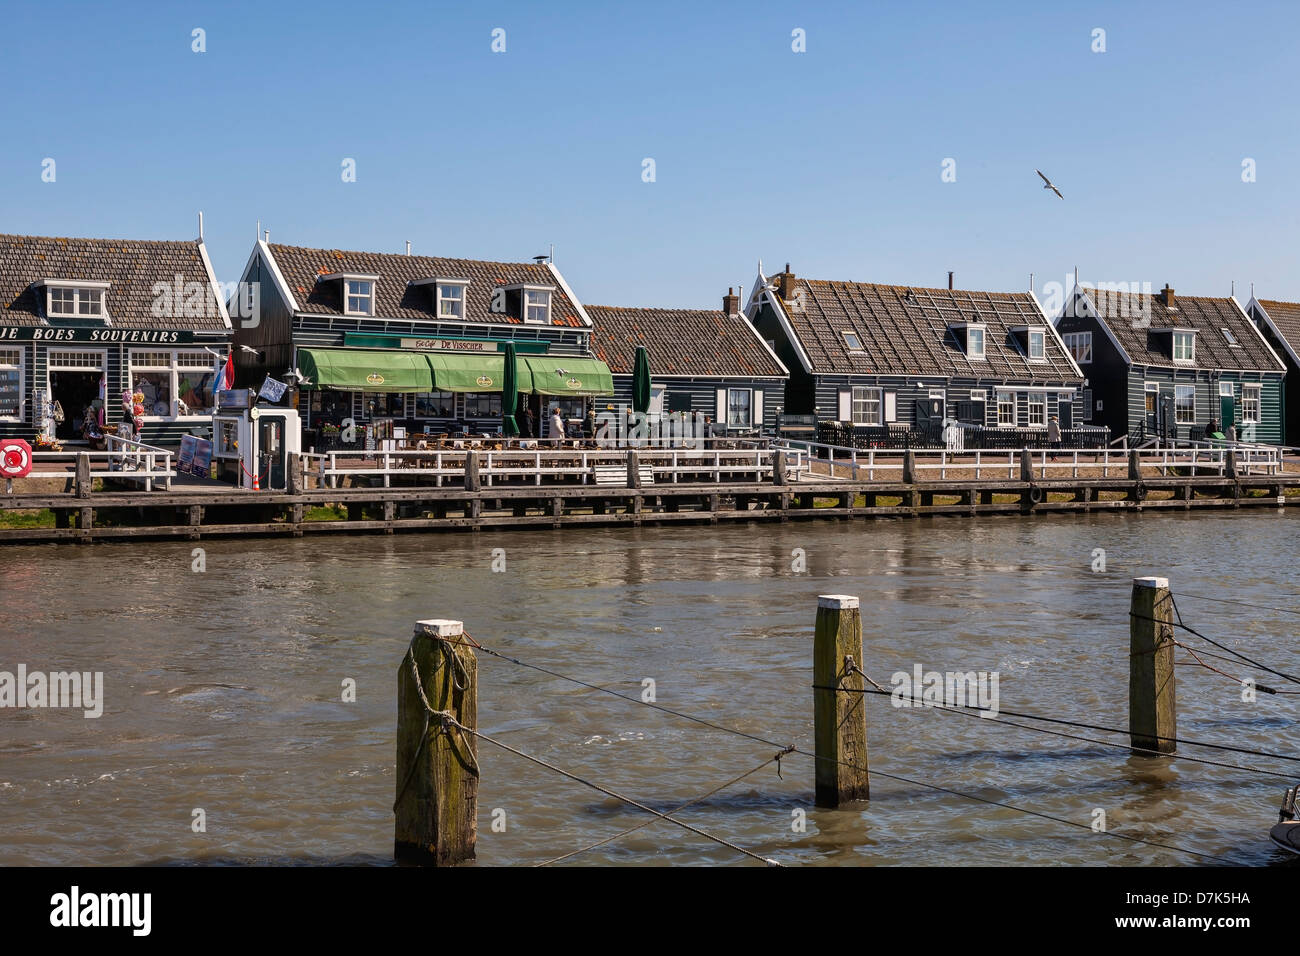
[225,373]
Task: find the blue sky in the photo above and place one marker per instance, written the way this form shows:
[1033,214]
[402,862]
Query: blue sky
[829,159]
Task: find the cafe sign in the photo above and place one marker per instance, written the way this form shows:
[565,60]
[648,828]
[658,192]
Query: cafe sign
[374,378]
[450,345]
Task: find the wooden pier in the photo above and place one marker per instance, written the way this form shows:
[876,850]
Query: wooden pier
[201,512]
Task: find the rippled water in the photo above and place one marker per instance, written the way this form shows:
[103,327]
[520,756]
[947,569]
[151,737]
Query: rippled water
[224,690]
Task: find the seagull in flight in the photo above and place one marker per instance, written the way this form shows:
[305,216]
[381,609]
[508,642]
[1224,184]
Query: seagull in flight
[1048,182]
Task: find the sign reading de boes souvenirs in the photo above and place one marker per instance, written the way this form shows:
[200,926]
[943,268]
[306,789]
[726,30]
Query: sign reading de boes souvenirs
[43,333]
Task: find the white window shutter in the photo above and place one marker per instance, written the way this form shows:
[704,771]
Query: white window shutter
[891,407]
[758,408]
[846,405]
[721,417]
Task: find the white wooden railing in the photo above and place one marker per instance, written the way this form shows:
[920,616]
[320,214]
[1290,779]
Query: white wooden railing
[576,466]
[871,464]
[125,460]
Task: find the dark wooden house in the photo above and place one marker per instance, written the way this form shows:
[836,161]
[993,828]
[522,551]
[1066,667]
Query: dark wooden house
[416,340]
[895,363]
[1162,367]
[708,362]
[83,320]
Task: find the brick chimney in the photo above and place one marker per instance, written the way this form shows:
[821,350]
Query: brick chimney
[730,303]
[1167,295]
[785,283]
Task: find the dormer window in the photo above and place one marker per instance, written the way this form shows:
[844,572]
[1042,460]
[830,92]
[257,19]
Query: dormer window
[450,298]
[74,299]
[853,342]
[359,297]
[1037,345]
[537,305]
[1183,346]
[970,335]
[358,291]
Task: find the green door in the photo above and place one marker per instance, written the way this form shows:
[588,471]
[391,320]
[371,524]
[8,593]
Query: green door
[1227,411]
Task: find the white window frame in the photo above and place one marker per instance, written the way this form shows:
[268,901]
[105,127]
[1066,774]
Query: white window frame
[1174,338]
[1180,388]
[979,395]
[445,285]
[1079,345]
[1001,394]
[1252,403]
[1226,390]
[526,293]
[749,408]
[971,352]
[77,288]
[1041,336]
[21,367]
[1150,388]
[174,369]
[1035,399]
[849,338]
[348,295]
[1231,339]
[864,399]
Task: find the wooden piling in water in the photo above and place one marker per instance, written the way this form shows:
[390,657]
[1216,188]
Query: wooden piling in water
[839,712]
[1152,705]
[436,808]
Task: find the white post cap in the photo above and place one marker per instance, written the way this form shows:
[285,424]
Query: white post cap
[437,627]
[1151,583]
[837,602]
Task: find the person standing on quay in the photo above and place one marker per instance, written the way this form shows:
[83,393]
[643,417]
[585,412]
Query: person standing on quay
[526,423]
[557,423]
[1054,435]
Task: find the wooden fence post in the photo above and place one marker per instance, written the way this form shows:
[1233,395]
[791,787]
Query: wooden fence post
[472,480]
[1152,720]
[909,467]
[839,716]
[778,469]
[633,469]
[83,481]
[1026,465]
[437,765]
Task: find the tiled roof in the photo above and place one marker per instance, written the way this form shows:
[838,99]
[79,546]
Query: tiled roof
[680,342]
[1145,344]
[396,298]
[1286,317]
[132,267]
[905,331]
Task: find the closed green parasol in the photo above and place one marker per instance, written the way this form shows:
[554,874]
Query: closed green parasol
[510,392]
[641,381]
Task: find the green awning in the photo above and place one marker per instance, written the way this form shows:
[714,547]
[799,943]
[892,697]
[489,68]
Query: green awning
[365,370]
[568,375]
[478,372]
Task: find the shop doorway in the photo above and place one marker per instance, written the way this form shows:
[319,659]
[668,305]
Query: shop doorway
[74,391]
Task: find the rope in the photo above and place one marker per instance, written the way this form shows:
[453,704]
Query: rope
[704,796]
[978,714]
[1079,724]
[612,793]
